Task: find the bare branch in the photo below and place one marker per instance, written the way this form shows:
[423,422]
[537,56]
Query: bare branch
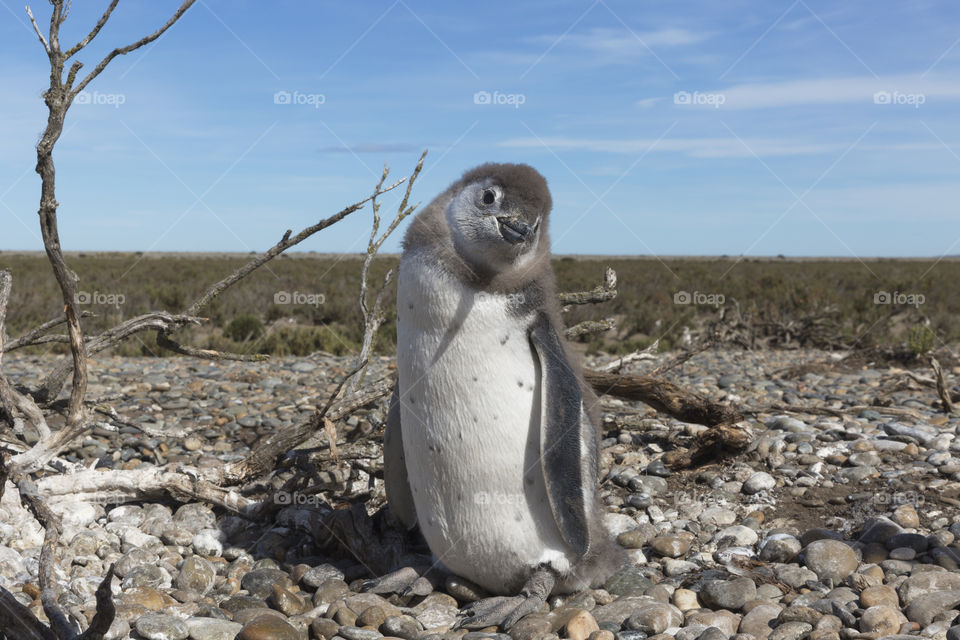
[649,353]
[46,45]
[157,320]
[941,386]
[665,397]
[590,326]
[285,243]
[163,340]
[600,293]
[35,335]
[373,318]
[93,33]
[130,47]
[264,456]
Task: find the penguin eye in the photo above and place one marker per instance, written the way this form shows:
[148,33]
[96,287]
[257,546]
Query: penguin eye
[489,197]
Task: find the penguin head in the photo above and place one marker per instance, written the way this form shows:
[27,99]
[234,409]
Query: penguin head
[498,214]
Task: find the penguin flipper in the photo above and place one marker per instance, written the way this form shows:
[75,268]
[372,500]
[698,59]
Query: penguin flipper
[568,446]
[395,466]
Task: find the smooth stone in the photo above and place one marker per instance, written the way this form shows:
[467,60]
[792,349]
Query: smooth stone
[726,621]
[880,619]
[791,631]
[159,626]
[779,547]
[717,516]
[196,574]
[737,535]
[879,595]
[685,599]
[925,583]
[758,621]
[268,628]
[212,629]
[259,582]
[581,626]
[906,516]
[830,559]
[923,609]
[654,617]
[627,581]
[316,576]
[794,576]
[760,481]
[879,530]
[403,626]
[672,545]
[728,594]
[358,633]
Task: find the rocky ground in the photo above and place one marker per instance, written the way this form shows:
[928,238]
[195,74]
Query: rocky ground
[825,529]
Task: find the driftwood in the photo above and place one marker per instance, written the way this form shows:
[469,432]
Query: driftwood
[665,397]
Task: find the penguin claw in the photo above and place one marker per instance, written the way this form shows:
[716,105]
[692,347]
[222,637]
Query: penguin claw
[499,611]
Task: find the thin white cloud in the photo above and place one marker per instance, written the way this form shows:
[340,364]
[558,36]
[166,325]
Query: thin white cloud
[622,43]
[693,147]
[894,91]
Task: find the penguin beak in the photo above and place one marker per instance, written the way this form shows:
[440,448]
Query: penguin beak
[514,230]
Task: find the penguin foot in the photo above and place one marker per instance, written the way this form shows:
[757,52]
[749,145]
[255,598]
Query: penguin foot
[406,582]
[505,611]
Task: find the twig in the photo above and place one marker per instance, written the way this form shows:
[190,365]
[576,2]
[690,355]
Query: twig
[123,50]
[373,318]
[820,410]
[285,243]
[649,353]
[941,386]
[264,456]
[676,361]
[93,33]
[46,45]
[34,336]
[600,293]
[590,326]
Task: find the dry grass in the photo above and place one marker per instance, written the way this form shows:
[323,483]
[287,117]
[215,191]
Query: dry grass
[328,318]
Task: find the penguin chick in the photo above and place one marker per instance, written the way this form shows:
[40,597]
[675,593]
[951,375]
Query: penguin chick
[492,443]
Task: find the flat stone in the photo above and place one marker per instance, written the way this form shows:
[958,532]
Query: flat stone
[921,584]
[212,629]
[159,626]
[728,594]
[758,622]
[580,626]
[830,559]
[926,607]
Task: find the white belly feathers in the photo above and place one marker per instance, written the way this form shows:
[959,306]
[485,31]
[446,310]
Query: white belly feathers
[470,415]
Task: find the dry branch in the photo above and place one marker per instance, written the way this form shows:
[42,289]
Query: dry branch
[665,397]
[941,386]
[600,293]
[35,335]
[590,326]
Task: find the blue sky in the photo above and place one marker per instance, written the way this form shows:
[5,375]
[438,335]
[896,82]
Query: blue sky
[800,127]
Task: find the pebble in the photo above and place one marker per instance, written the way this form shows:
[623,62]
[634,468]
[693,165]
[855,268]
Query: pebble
[830,559]
[825,529]
[159,626]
